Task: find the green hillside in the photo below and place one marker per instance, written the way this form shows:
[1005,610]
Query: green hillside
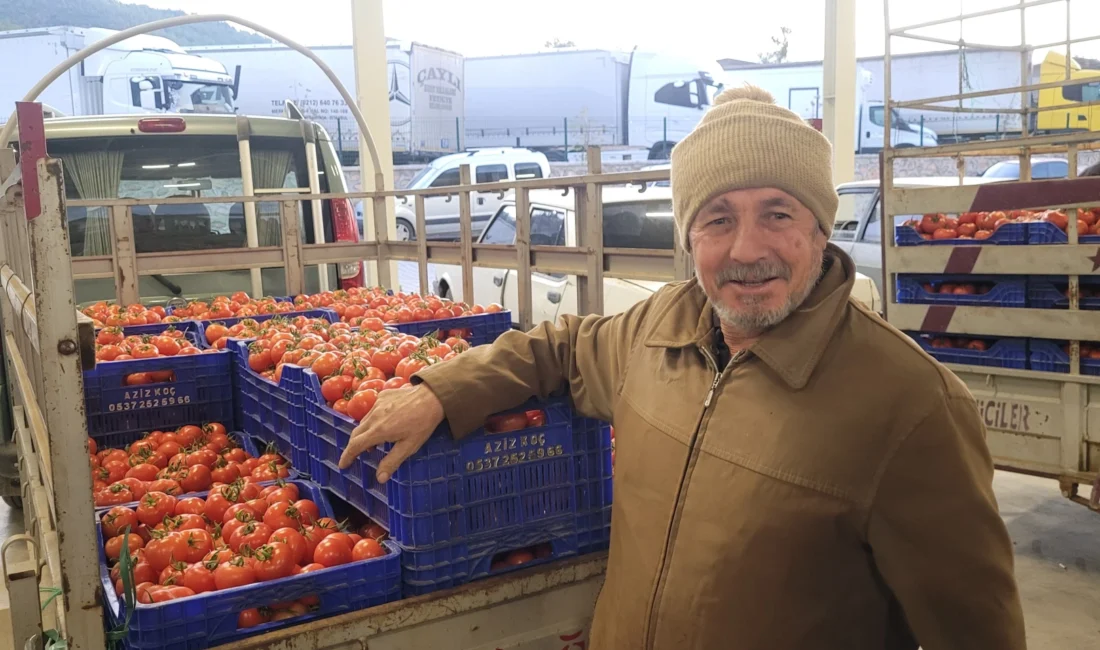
[22,14]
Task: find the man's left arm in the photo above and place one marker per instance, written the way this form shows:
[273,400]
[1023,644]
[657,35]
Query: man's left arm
[938,539]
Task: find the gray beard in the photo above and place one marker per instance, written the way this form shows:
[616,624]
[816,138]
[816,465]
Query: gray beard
[753,319]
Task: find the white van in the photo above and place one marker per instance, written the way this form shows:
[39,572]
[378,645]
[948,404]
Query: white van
[486,166]
[631,220]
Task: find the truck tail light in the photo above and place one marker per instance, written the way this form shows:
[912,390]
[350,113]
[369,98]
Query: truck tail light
[345,229]
[162,125]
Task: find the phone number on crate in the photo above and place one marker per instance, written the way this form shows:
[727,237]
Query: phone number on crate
[148,398]
[530,448]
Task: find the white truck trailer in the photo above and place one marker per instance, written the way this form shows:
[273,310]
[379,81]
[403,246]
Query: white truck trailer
[426,93]
[936,74]
[577,98]
[143,74]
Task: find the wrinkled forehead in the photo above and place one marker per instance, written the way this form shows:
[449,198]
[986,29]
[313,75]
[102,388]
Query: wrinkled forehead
[753,200]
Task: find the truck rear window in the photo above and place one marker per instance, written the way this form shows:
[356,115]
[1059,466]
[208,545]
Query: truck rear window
[162,167]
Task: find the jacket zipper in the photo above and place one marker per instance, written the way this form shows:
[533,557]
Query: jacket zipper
[651,618]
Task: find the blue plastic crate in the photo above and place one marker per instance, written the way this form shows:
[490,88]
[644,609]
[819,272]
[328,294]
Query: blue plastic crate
[1047,292]
[425,570]
[210,619]
[1047,356]
[201,391]
[594,531]
[454,489]
[481,329]
[1042,232]
[1010,234]
[1002,353]
[271,412]
[1007,291]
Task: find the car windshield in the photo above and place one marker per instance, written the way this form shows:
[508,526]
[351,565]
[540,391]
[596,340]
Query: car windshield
[190,97]
[1007,169]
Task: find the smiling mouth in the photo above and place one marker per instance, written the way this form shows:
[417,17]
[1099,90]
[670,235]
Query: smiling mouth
[752,284]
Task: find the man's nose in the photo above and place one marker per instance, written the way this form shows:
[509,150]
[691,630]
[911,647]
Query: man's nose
[750,243]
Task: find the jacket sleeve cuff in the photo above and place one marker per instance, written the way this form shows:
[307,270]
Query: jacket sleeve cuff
[461,418]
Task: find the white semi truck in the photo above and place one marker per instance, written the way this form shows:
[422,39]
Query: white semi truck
[143,74]
[426,92]
[574,98]
[934,74]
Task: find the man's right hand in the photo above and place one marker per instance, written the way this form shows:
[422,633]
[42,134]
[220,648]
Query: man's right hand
[405,417]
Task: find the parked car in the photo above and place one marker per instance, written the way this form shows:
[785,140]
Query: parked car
[1040,168]
[131,156]
[631,220]
[441,212]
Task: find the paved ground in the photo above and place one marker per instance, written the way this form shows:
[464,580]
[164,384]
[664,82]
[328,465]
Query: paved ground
[1057,563]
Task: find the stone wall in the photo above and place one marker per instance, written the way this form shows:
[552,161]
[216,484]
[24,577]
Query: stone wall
[866,168]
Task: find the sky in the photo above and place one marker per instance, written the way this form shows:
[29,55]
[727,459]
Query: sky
[704,29]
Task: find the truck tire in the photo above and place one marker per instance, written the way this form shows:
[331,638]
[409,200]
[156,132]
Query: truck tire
[15,503]
[661,151]
[405,230]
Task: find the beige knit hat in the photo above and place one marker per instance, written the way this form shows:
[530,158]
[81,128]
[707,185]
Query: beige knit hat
[746,141]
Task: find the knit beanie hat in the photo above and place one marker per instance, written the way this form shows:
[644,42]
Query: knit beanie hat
[745,141]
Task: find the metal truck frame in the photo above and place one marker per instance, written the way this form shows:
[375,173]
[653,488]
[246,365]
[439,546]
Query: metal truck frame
[1040,423]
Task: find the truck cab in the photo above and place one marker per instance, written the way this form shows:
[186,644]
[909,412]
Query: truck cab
[486,166]
[631,220]
[199,155]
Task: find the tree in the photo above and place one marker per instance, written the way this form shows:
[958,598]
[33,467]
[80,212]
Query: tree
[558,44]
[779,54]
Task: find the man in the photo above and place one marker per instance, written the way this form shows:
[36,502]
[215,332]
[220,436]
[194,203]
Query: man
[792,473]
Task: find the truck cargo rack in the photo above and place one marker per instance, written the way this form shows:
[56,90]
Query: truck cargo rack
[1038,421]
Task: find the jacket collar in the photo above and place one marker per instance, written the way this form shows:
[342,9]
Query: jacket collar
[792,349]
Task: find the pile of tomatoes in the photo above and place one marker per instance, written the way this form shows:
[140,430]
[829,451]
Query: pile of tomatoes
[359,304]
[238,534]
[982,225]
[957,288]
[189,459]
[238,305]
[105,315]
[1089,350]
[112,344]
[353,367]
[959,343]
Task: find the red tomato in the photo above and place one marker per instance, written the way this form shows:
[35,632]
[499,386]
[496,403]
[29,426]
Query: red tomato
[361,404]
[273,561]
[116,520]
[198,578]
[366,549]
[250,618]
[282,515]
[113,547]
[197,479]
[286,492]
[199,543]
[332,552]
[294,540]
[234,573]
[162,551]
[254,534]
[154,507]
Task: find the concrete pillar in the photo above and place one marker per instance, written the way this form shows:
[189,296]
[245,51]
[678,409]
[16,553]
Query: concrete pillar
[839,87]
[372,95]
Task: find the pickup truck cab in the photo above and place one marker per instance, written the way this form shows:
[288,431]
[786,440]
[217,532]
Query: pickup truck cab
[197,155]
[486,166]
[631,220]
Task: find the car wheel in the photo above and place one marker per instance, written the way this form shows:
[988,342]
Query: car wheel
[16,503]
[405,230]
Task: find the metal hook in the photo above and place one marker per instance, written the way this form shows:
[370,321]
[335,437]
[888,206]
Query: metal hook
[642,187]
[449,197]
[565,192]
[500,195]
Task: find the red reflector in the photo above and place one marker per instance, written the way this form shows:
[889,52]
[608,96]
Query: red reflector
[343,221]
[162,125]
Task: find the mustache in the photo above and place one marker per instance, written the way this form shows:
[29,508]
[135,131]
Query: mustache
[757,272]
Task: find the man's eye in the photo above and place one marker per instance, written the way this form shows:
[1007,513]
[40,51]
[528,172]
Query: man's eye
[718,221]
[780,215]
